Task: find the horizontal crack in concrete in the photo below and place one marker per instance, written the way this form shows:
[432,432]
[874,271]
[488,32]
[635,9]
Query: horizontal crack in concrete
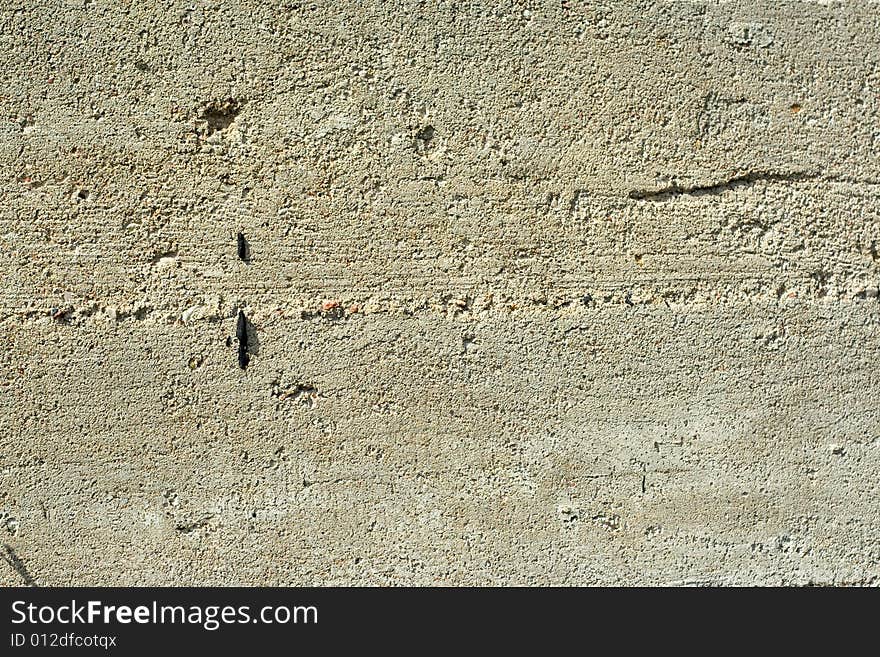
[676,190]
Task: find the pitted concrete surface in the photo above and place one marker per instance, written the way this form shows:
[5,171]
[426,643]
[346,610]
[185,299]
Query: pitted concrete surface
[538,292]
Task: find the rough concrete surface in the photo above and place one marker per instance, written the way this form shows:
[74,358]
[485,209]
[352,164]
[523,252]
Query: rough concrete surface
[537,292]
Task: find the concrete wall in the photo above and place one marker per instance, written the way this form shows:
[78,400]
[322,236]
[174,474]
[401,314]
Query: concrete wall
[540,292]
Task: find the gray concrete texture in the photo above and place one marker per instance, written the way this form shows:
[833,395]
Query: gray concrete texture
[540,292]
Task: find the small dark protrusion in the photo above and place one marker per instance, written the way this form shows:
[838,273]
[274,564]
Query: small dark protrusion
[241,328]
[241,333]
[243,250]
[426,134]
